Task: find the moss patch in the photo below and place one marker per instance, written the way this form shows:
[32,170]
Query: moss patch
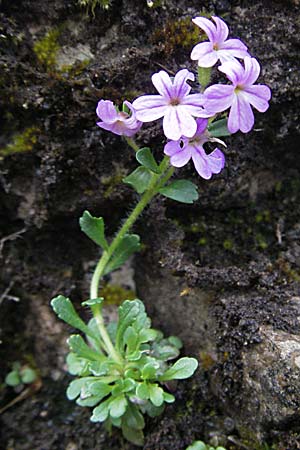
[22,143]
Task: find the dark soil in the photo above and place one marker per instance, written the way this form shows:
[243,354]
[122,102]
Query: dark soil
[239,243]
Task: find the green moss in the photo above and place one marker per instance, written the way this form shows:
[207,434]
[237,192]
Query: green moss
[22,143]
[179,33]
[111,182]
[228,244]
[115,295]
[46,49]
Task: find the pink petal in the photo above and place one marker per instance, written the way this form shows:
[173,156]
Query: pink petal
[218,97]
[172,147]
[216,161]
[149,107]
[252,70]
[258,96]
[241,116]
[177,122]
[236,46]
[163,83]
[106,111]
[182,157]
[193,104]
[201,49]
[207,26]
[208,59]
[180,86]
[201,126]
[222,29]
[234,70]
[200,163]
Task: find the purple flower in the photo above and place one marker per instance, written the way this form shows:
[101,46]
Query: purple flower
[118,122]
[240,95]
[218,47]
[175,104]
[182,150]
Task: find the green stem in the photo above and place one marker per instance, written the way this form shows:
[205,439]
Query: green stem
[158,180]
[131,142]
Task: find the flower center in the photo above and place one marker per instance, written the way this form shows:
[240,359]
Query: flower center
[238,88]
[215,46]
[174,102]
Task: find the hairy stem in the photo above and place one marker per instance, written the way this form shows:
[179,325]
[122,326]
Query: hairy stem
[158,181]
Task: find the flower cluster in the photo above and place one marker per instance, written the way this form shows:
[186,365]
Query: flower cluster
[184,114]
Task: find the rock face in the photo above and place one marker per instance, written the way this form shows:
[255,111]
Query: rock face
[222,274]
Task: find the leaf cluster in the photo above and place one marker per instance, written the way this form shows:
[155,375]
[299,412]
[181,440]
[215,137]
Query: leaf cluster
[20,375]
[183,191]
[122,391]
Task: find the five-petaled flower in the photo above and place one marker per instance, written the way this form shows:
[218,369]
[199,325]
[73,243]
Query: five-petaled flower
[240,95]
[118,122]
[218,47]
[182,150]
[174,103]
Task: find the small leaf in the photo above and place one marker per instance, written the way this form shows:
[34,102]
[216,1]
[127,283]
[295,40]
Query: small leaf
[90,401]
[93,301]
[100,413]
[133,418]
[28,375]
[117,406]
[76,365]
[133,435]
[183,191]
[169,398]
[183,368]
[129,245]
[142,391]
[75,387]
[197,445]
[128,313]
[66,312]
[78,346]
[146,159]
[139,179]
[13,379]
[219,128]
[149,371]
[93,227]
[156,394]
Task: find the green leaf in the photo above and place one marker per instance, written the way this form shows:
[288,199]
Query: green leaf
[156,394]
[100,413]
[13,379]
[90,401]
[133,435]
[197,445]
[183,191]
[149,370]
[139,179]
[117,406]
[169,398]
[146,159]
[93,301]
[75,387]
[219,128]
[78,346]
[28,375]
[128,245]
[93,227]
[183,368]
[76,365]
[99,388]
[66,312]
[133,418]
[129,311]
[142,391]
